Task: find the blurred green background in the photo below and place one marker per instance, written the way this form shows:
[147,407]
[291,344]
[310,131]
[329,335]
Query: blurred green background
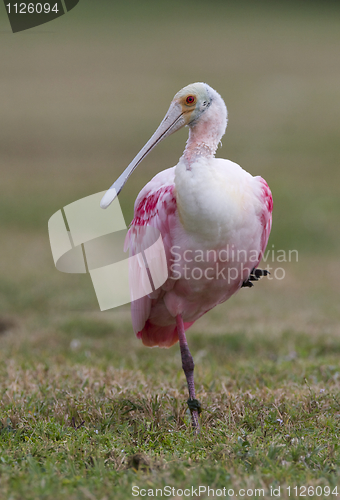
[82,94]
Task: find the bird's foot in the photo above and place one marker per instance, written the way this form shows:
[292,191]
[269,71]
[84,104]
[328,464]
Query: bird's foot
[259,272]
[255,275]
[194,405]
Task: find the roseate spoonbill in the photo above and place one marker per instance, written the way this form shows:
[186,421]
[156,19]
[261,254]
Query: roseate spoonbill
[214,218]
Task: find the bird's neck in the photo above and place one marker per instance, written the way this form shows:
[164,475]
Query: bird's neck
[198,146]
[204,137]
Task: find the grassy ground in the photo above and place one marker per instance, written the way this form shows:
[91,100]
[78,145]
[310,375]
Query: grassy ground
[86,411]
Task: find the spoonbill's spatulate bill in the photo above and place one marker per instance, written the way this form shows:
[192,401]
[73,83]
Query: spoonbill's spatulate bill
[214,218]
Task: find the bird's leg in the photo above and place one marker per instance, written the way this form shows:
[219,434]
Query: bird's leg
[188,367]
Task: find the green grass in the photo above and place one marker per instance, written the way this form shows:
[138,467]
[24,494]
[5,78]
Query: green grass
[79,422]
[86,411]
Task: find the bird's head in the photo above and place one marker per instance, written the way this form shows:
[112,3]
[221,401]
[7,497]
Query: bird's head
[191,101]
[189,107]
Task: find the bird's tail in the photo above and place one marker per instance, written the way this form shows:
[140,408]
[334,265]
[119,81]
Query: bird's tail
[161,336]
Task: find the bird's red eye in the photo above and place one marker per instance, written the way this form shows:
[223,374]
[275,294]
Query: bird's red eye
[190,99]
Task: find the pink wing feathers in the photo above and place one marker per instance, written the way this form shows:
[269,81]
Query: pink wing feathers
[155,206]
[266,214]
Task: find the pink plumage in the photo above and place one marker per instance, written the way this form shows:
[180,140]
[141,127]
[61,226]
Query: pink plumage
[156,206]
[214,219]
